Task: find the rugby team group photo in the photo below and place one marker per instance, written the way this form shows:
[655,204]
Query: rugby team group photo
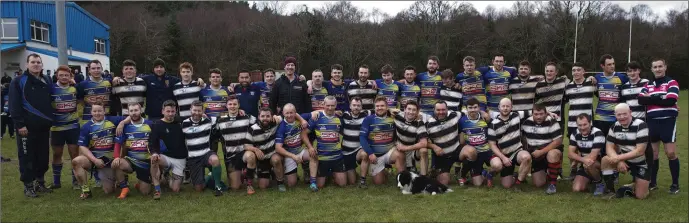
[415,130]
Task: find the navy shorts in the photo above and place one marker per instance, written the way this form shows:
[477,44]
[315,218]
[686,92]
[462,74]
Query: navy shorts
[142,169]
[350,162]
[60,138]
[328,167]
[663,129]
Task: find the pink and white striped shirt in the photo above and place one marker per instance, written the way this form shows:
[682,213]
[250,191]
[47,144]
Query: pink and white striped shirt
[666,88]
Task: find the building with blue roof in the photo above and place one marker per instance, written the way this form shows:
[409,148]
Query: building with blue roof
[30,27]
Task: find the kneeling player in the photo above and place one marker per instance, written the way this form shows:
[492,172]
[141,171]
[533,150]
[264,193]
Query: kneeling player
[261,141]
[504,137]
[443,135]
[233,129]
[588,141]
[197,134]
[166,144]
[412,136]
[328,149]
[96,143]
[377,141]
[134,143]
[544,139]
[289,145]
[626,152]
[473,130]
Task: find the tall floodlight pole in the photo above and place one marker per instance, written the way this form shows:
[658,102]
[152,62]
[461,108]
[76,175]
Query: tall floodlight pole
[61,32]
[631,18]
[576,34]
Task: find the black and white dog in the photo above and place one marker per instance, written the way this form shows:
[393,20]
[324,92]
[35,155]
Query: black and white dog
[413,183]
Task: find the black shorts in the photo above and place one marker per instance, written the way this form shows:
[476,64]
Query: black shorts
[639,171]
[263,168]
[509,170]
[328,167]
[604,127]
[350,162]
[481,159]
[60,138]
[197,168]
[234,161]
[581,171]
[540,164]
[106,160]
[664,130]
[444,163]
[143,171]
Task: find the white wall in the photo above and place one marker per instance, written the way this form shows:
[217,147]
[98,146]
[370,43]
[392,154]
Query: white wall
[104,59]
[49,62]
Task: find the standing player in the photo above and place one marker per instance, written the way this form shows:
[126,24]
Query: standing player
[328,129]
[626,145]
[166,145]
[629,95]
[378,142]
[523,88]
[289,145]
[497,78]
[351,126]
[318,90]
[214,97]
[449,94]
[94,89]
[388,87]
[579,94]
[233,128]
[187,90]
[504,137]
[132,152]
[247,93]
[584,147]
[429,82]
[132,89]
[443,135]
[362,89]
[197,135]
[543,139]
[609,84]
[472,83]
[261,141]
[661,96]
[412,137]
[551,91]
[473,131]
[65,128]
[409,89]
[96,142]
[338,88]
[266,86]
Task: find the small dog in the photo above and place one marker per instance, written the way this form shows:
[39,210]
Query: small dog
[413,183]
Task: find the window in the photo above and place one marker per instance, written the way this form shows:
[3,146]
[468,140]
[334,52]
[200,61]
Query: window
[9,28]
[100,45]
[40,31]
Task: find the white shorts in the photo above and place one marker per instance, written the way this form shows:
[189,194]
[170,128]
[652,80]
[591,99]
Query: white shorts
[291,165]
[381,162]
[177,165]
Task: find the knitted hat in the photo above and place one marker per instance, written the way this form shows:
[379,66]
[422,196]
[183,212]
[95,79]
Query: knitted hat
[290,60]
[158,61]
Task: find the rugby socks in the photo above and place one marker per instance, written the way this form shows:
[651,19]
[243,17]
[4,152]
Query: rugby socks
[362,180]
[216,172]
[609,180]
[95,176]
[674,170]
[157,187]
[553,172]
[654,172]
[312,180]
[250,176]
[123,184]
[57,172]
[466,166]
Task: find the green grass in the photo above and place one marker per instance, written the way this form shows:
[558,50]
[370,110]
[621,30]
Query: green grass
[377,203]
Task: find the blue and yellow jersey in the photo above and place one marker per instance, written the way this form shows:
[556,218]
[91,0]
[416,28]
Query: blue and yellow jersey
[96,91]
[318,98]
[475,132]
[473,86]
[264,98]
[390,91]
[430,90]
[497,84]
[410,91]
[64,100]
[609,94]
[99,137]
[328,131]
[377,134]
[215,100]
[135,140]
[340,93]
[289,135]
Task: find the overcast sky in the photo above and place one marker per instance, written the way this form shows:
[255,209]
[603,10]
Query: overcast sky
[393,7]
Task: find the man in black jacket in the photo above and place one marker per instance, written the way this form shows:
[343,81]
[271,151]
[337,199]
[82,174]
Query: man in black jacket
[32,112]
[289,89]
[168,148]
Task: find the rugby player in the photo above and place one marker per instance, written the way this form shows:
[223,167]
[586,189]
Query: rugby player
[523,88]
[448,93]
[65,129]
[351,126]
[409,89]
[132,152]
[497,79]
[584,147]
[197,135]
[377,139]
[472,83]
[214,97]
[233,128]
[504,138]
[261,141]
[429,82]
[388,87]
[543,140]
[412,137]
[289,145]
[167,147]
[363,89]
[472,128]
[327,128]
[579,94]
[132,89]
[318,92]
[443,135]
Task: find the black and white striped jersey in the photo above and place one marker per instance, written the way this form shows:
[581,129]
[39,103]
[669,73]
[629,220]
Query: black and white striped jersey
[445,133]
[185,94]
[409,132]
[586,143]
[351,128]
[626,138]
[523,92]
[263,138]
[506,133]
[551,94]
[365,92]
[234,131]
[580,98]
[451,96]
[630,94]
[130,92]
[197,136]
[540,135]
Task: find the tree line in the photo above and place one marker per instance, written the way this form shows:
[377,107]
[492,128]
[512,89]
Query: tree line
[237,35]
